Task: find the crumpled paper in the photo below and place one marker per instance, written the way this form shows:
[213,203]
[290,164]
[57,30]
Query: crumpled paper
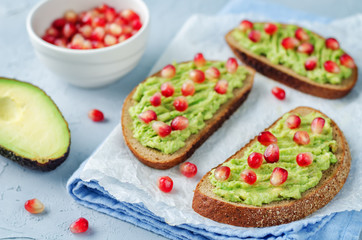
[123,176]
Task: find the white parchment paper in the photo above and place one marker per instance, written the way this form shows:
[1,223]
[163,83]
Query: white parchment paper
[124,177]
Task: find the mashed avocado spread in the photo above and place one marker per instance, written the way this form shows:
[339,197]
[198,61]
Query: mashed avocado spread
[201,105]
[270,47]
[299,179]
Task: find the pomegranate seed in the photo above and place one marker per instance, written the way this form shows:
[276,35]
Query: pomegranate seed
[221,86]
[34,206]
[161,128]
[301,138]
[124,37]
[167,89]
[331,67]
[232,65]
[255,160]
[270,28]
[79,226]
[99,22]
[52,31]
[75,46]
[98,34]
[266,138]
[212,73]
[271,153]
[188,88]
[165,184]
[129,15]
[179,123]
[127,29]
[70,16]
[110,40]
[278,176]
[307,48]
[60,42]
[188,169]
[347,61]
[86,18]
[197,76]
[96,115]
[301,35]
[199,60]
[87,44]
[278,92]
[102,8]
[110,14]
[317,125]
[180,103]
[49,39]
[248,176]
[169,71]
[293,121]
[290,43]
[245,25]
[136,24]
[304,159]
[77,39]
[120,21]
[147,116]
[222,173]
[97,44]
[59,23]
[86,30]
[69,30]
[332,43]
[311,63]
[155,100]
[254,36]
[115,29]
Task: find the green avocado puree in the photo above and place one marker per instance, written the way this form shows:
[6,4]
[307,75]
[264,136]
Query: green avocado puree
[201,106]
[271,48]
[299,179]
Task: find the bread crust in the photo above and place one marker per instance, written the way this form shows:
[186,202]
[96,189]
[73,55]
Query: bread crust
[288,77]
[155,158]
[209,205]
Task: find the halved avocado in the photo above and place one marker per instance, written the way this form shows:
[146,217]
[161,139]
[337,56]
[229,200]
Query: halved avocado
[33,131]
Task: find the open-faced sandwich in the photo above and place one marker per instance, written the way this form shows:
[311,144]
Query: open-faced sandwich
[296,57]
[290,170]
[171,113]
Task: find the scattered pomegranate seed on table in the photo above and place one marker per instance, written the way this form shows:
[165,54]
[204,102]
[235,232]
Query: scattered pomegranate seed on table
[222,173]
[197,76]
[221,86]
[168,71]
[232,65]
[347,61]
[255,160]
[266,138]
[179,123]
[306,48]
[331,67]
[165,184]
[188,169]
[271,153]
[161,128]
[332,43]
[34,206]
[317,125]
[199,60]
[245,25]
[148,116]
[270,28]
[167,89]
[155,100]
[310,63]
[278,92]
[304,159]
[293,121]
[248,176]
[180,103]
[79,226]
[278,176]
[96,115]
[212,73]
[188,88]
[301,35]
[301,138]
[254,36]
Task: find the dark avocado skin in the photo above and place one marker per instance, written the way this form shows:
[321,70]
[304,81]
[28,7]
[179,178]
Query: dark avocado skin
[33,164]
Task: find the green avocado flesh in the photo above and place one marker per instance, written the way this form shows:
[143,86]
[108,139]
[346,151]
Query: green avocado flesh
[201,106]
[31,126]
[271,48]
[300,179]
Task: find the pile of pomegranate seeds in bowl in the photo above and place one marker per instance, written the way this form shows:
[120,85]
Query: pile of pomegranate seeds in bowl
[99,27]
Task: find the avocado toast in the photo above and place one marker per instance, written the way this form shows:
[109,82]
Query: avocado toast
[307,173]
[215,94]
[295,56]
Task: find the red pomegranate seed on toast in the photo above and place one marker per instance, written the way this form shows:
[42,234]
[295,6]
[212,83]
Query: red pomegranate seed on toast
[148,116]
[34,206]
[212,73]
[197,76]
[254,36]
[290,43]
[79,226]
[96,115]
[317,125]
[188,169]
[306,48]
[278,92]
[165,184]
[155,100]
[311,63]
[221,86]
[179,123]
[278,176]
[266,138]
[245,25]
[70,16]
[331,67]
[180,103]
[270,28]
[293,121]
[188,88]
[332,43]
[301,35]
[199,60]
[255,160]
[347,61]
[222,173]
[304,159]
[271,153]
[232,65]
[301,138]
[168,71]
[248,176]
[161,128]
[167,89]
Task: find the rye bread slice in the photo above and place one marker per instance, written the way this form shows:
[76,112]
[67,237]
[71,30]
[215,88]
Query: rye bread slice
[209,205]
[288,77]
[155,158]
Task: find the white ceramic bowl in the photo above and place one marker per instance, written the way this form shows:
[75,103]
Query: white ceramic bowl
[87,68]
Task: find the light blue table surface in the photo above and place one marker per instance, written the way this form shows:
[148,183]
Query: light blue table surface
[17,60]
